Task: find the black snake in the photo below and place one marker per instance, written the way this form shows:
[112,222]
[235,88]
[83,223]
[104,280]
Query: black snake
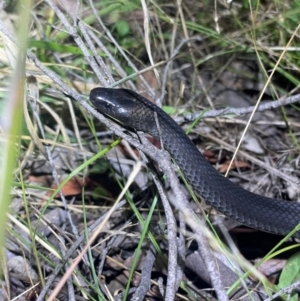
[252,210]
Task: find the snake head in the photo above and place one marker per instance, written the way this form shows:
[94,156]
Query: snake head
[127,107]
[115,103]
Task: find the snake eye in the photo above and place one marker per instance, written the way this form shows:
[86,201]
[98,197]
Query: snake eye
[122,111]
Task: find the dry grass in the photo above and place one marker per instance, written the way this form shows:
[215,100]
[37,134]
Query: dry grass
[189,56]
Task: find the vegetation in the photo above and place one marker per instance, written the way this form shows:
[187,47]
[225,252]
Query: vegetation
[76,200]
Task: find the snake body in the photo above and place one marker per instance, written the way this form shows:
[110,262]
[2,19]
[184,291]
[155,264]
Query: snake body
[262,213]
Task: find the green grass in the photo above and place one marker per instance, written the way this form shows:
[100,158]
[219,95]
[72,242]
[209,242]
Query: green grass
[254,30]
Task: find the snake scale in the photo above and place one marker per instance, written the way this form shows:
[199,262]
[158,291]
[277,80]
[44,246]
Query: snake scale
[262,213]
